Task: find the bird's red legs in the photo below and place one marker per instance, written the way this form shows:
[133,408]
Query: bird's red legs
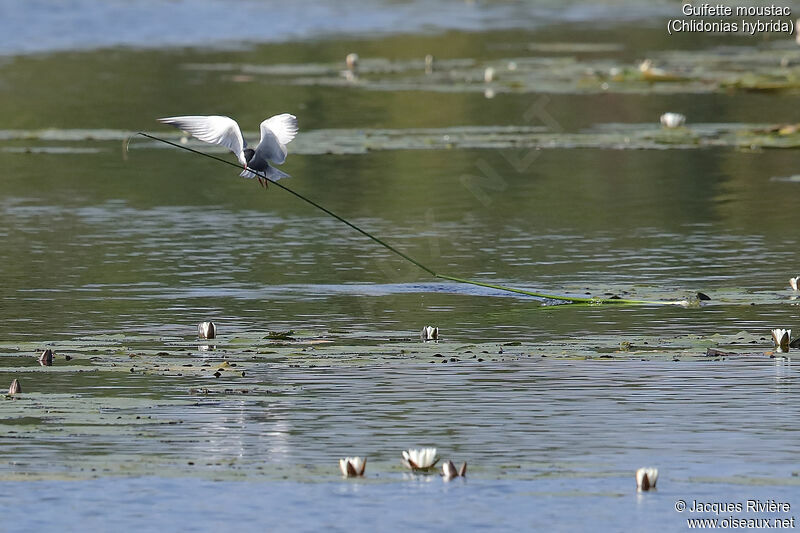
[262,182]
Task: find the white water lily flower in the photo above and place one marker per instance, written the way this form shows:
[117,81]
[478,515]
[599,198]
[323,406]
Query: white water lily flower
[652,73]
[646,478]
[430,333]
[353,466]
[793,282]
[488,75]
[782,337]
[449,470]
[206,330]
[429,64]
[351,61]
[423,459]
[672,120]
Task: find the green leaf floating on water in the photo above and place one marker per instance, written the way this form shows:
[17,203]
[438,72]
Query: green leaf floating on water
[283,335]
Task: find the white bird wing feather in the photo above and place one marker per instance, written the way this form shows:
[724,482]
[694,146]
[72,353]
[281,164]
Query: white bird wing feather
[284,127]
[212,129]
[276,133]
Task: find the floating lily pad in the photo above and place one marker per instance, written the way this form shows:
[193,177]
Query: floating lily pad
[284,335]
[767,68]
[613,136]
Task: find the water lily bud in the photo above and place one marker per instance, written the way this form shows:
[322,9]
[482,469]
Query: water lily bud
[488,75]
[15,387]
[672,120]
[353,466]
[793,282]
[781,338]
[351,61]
[46,359]
[428,64]
[206,330]
[646,478]
[651,73]
[449,470]
[429,333]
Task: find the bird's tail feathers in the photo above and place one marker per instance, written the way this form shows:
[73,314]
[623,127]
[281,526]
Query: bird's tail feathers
[272,173]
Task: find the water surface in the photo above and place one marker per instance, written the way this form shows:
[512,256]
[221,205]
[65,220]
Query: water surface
[112,256]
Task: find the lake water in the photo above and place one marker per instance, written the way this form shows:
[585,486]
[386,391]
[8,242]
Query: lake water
[111,256]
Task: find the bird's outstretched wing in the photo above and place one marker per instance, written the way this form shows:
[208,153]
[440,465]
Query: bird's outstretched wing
[284,127]
[276,133]
[212,129]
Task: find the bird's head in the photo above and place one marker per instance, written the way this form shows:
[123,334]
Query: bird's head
[248,154]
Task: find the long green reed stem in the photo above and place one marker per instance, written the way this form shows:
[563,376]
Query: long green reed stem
[569,299]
